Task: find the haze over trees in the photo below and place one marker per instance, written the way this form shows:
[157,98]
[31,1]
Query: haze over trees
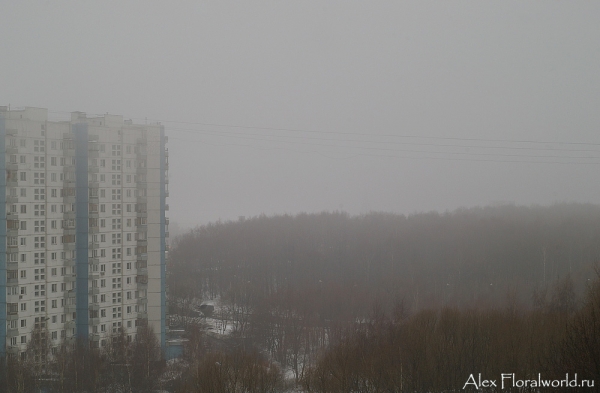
[487,287]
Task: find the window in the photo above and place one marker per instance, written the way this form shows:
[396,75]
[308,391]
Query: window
[54,304]
[23,176]
[116,224]
[54,287]
[102,314]
[23,323]
[39,274]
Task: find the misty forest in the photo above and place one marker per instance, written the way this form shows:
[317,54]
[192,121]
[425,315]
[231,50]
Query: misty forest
[372,303]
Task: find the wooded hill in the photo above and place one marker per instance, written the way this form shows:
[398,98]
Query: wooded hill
[339,264]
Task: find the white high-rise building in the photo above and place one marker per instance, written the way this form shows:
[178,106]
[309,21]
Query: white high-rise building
[82,227]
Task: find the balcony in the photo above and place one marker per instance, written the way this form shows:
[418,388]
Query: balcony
[142,257]
[70,294]
[12,199]
[13,298]
[142,214]
[12,131]
[93,169]
[12,316]
[142,228]
[141,170]
[69,246]
[12,248]
[69,199]
[69,231]
[94,261]
[95,336]
[12,332]
[93,245]
[12,281]
[142,300]
[94,321]
[142,315]
[94,291]
[142,243]
[70,278]
[12,166]
[94,307]
[94,184]
[12,149]
[69,215]
[13,349]
[142,199]
[12,182]
[93,230]
[142,271]
[70,308]
[70,262]
[69,324]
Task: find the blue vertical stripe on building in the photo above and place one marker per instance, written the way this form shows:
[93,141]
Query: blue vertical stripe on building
[2,237]
[81,238]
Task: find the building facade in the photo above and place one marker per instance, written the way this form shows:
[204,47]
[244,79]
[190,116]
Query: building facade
[82,228]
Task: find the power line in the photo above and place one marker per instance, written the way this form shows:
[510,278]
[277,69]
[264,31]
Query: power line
[300,130]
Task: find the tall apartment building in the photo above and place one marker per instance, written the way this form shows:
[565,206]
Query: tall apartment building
[82,227]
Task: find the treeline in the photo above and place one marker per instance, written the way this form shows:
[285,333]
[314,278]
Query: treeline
[438,351]
[467,258]
[294,286]
[124,365]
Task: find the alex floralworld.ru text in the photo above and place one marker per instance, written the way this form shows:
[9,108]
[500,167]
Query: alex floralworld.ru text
[508,380]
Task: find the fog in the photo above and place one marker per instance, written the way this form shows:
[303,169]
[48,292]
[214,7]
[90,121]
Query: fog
[281,107]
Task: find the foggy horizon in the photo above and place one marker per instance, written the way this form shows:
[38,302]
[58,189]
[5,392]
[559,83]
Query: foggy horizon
[285,108]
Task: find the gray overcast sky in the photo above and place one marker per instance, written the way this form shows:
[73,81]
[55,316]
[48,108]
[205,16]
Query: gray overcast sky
[342,105]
